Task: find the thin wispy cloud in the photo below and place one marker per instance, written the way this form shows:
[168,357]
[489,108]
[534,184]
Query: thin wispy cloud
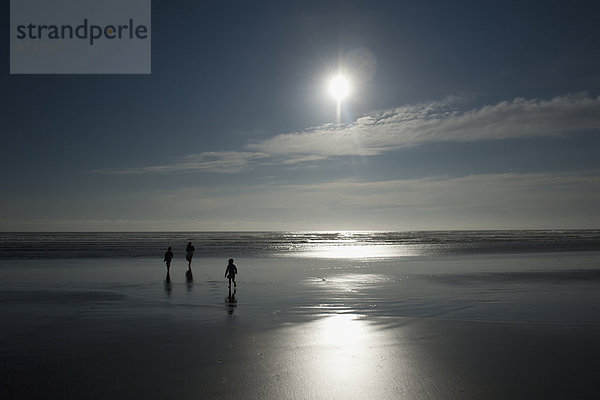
[385,131]
[390,130]
[225,162]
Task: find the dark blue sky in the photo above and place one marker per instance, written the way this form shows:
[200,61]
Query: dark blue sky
[478,115]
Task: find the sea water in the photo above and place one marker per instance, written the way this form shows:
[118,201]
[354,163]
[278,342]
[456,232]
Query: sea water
[314,315]
[293,244]
[512,276]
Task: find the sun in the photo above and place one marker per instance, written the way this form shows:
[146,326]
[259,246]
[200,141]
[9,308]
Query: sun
[339,87]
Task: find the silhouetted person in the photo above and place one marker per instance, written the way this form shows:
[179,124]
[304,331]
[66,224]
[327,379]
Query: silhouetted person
[189,253]
[168,258]
[230,272]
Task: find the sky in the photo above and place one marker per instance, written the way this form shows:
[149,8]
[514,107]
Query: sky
[461,115]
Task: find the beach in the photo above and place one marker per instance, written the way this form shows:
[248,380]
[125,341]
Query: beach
[408,192]
[492,326]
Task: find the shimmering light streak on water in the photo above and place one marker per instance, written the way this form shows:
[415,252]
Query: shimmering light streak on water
[357,251]
[334,245]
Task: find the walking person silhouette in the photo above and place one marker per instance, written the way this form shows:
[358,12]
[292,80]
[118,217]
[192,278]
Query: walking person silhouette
[167,259]
[189,254]
[230,272]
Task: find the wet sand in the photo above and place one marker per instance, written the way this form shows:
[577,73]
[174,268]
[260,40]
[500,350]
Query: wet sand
[302,329]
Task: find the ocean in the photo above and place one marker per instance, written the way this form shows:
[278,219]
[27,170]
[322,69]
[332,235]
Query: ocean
[369,315]
[294,244]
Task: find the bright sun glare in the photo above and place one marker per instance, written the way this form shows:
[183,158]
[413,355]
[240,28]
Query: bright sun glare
[339,87]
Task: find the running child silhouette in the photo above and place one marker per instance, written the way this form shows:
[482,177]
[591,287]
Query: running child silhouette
[230,272]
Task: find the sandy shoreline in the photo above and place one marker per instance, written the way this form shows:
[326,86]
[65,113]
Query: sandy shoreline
[343,329]
[406,358]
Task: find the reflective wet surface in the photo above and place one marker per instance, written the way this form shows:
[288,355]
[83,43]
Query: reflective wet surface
[446,327]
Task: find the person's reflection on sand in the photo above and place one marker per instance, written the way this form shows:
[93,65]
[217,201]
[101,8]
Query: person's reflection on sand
[189,279]
[168,285]
[230,301]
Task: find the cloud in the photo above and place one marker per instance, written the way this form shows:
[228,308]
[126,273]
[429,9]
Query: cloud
[390,130]
[479,201]
[473,201]
[498,191]
[225,162]
[379,132]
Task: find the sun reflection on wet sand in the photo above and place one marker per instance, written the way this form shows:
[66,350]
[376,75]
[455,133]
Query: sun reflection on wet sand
[342,345]
[341,330]
[347,356]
